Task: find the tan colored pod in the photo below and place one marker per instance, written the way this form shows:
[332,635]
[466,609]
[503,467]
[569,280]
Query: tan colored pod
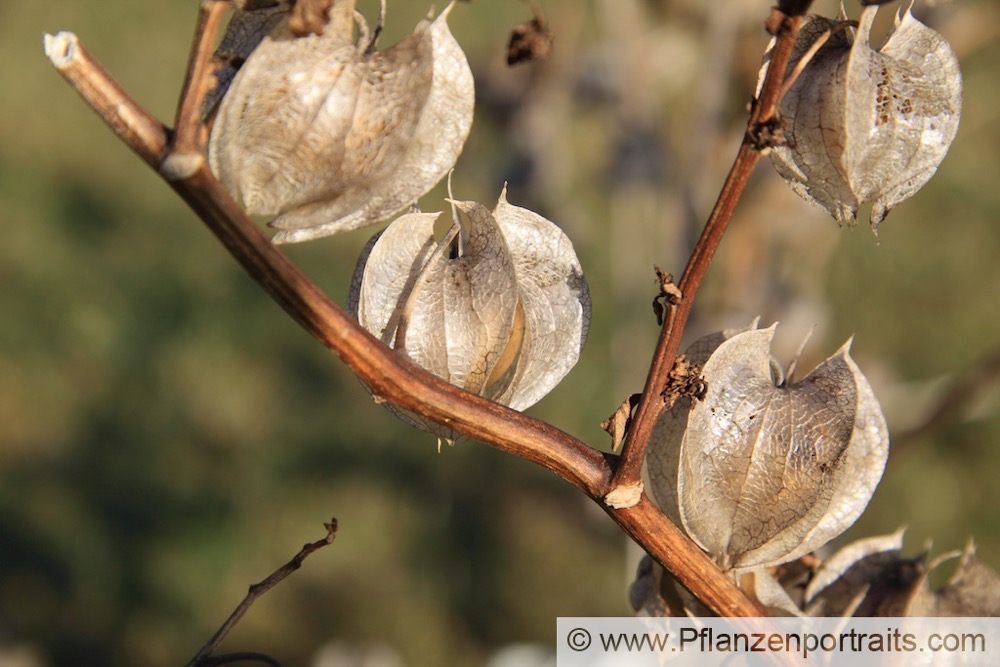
[329,135]
[499,306]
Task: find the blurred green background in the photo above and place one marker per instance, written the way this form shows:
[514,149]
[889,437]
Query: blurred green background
[168,436]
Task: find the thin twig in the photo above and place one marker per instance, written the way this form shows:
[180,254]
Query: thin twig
[390,375]
[627,478]
[233,658]
[202,657]
[199,79]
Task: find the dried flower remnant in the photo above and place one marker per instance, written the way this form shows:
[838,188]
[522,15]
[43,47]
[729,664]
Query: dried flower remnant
[530,41]
[618,423]
[330,135]
[866,125]
[761,471]
[498,307]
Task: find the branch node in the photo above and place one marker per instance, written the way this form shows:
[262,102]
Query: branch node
[181,166]
[627,495]
[774,22]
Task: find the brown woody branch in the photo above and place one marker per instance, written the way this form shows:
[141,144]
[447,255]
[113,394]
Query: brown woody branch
[389,375]
[761,128]
[198,80]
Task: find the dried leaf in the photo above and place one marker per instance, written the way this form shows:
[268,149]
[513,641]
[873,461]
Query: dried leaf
[767,472]
[683,381]
[498,307]
[669,294]
[617,424]
[329,136]
[866,125]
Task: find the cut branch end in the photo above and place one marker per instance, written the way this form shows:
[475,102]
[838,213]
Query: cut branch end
[61,48]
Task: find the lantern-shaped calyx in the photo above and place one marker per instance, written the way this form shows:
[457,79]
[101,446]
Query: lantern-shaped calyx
[863,124]
[763,471]
[499,306]
[329,134]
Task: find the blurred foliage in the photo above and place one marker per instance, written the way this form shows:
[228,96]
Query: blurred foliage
[168,436]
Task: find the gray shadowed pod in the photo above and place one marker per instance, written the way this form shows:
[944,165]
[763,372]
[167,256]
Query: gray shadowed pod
[863,124]
[763,470]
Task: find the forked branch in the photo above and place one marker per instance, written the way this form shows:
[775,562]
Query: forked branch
[181,162]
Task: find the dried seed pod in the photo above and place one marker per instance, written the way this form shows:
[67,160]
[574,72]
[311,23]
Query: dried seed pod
[973,590]
[249,25]
[864,576]
[870,577]
[498,307]
[330,135]
[866,125]
[761,472]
